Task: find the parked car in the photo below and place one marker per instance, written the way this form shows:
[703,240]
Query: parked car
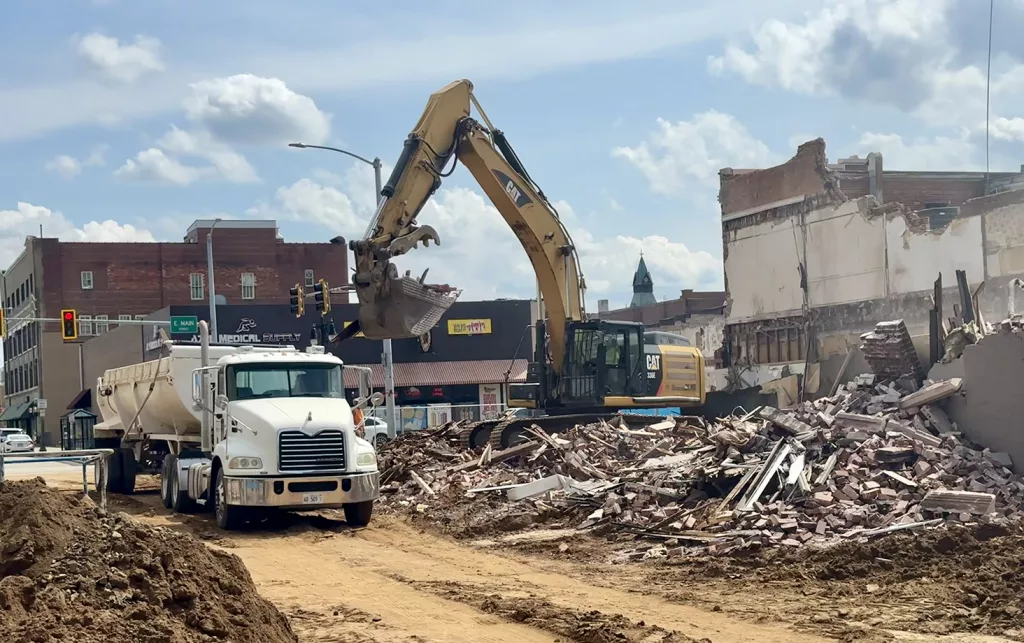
[16,441]
[376,431]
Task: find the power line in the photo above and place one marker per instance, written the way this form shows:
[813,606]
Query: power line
[988,89]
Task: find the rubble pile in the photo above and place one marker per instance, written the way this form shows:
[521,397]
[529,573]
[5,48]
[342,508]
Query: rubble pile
[877,457]
[72,572]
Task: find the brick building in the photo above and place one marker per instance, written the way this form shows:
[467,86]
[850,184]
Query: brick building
[111,282]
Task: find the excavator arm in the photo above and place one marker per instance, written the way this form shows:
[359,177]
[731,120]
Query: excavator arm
[393,306]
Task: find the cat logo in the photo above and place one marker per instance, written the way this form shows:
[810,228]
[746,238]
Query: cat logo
[654,362]
[513,191]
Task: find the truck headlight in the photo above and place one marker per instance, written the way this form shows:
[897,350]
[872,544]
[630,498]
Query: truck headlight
[245,462]
[366,459]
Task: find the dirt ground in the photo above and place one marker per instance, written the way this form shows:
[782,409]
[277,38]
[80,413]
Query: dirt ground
[396,582]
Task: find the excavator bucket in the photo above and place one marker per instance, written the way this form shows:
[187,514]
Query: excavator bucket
[408,308]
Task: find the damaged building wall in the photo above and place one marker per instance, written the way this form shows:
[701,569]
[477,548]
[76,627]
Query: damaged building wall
[988,408]
[845,254]
[861,262]
[917,255]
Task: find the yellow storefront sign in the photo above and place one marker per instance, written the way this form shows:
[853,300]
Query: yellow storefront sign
[359,334]
[469,326]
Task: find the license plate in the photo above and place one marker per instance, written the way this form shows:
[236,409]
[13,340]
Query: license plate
[312,498]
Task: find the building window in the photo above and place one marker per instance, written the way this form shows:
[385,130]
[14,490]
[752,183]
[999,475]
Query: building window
[124,318]
[85,327]
[248,285]
[196,281]
[102,324]
[87,280]
[310,278]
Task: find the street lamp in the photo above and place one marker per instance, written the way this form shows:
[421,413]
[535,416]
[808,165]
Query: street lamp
[387,355]
[209,277]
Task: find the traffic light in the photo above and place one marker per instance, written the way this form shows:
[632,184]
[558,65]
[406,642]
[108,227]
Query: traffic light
[68,324]
[3,323]
[322,297]
[298,300]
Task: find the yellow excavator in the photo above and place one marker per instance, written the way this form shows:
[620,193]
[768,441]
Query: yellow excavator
[583,369]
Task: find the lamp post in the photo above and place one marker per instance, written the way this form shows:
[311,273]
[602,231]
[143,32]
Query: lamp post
[209,277]
[387,355]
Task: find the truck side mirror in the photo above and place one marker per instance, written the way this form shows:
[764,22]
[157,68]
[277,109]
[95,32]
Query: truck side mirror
[377,399]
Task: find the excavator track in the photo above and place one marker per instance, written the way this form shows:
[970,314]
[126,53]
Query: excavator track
[501,434]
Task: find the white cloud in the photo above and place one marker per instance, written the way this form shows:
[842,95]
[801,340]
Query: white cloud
[687,155]
[902,53]
[227,163]
[153,166]
[68,167]
[121,61]
[1008,129]
[936,153]
[249,109]
[479,253]
[369,61]
[25,220]
[161,164]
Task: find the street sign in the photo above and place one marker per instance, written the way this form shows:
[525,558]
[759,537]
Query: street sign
[185,324]
[41,404]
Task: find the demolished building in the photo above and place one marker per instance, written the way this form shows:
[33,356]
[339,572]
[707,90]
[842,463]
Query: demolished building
[815,255]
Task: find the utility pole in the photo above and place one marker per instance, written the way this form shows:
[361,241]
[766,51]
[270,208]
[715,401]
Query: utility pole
[209,277]
[387,356]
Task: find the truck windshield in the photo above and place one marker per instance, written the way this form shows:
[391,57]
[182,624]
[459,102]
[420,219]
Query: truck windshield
[258,381]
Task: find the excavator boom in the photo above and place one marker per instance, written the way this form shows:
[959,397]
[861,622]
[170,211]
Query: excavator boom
[394,306]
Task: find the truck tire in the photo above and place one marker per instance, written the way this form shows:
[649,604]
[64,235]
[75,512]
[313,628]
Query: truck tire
[228,518]
[357,514]
[129,467]
[115,470]
[166,471]
[181,502]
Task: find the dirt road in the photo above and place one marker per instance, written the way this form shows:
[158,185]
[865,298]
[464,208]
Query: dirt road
[392,582]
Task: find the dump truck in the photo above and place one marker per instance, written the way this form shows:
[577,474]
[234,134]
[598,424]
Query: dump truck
[239,430]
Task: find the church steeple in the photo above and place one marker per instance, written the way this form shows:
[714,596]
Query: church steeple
[643,286]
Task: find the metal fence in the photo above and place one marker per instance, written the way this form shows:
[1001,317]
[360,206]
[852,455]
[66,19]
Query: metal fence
[415,418]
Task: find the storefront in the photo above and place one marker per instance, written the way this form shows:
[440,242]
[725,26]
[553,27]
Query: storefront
[460,369]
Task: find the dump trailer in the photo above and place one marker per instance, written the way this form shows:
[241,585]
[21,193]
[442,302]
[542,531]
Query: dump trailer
[239,430]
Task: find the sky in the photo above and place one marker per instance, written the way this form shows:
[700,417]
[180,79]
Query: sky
[126,120]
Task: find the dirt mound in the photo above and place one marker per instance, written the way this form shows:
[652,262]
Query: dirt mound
[71,572]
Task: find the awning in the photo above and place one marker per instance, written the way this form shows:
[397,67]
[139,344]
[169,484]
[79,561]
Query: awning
[446,373]
[82,401]
[15,412]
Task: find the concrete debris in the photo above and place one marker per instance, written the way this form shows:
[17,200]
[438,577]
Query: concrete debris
[878,456]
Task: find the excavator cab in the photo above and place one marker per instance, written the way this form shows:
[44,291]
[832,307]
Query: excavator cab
[604,366]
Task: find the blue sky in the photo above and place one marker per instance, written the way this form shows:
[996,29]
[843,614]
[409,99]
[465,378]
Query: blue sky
[128,120]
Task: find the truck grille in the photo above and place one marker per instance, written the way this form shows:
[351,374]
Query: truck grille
[324,451]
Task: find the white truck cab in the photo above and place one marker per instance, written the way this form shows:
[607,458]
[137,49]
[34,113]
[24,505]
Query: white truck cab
[246,428]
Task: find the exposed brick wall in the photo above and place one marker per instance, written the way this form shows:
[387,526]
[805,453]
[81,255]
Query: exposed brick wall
[138,278]
[915,192]
[799,175]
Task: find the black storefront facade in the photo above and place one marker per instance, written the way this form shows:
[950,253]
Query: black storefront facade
[461,368]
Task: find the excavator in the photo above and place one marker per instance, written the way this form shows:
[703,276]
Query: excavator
[582,369]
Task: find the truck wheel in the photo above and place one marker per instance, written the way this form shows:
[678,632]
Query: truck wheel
[115,470]
[228,518]
[166,472]
[129,467]
[180,501]
[357,514]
